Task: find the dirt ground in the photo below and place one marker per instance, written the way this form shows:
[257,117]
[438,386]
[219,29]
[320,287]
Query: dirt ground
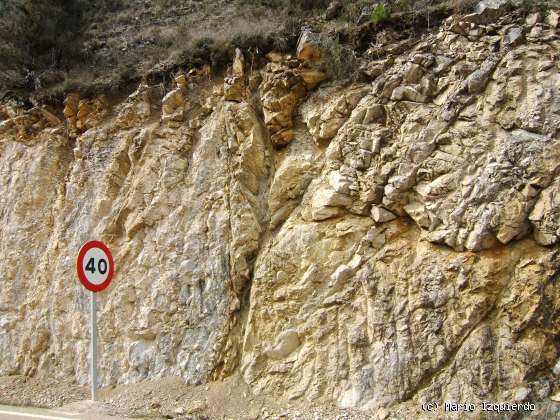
[168,398]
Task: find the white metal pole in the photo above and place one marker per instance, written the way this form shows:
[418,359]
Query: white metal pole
[93,343]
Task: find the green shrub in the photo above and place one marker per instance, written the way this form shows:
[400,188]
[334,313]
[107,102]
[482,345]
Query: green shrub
[379,14]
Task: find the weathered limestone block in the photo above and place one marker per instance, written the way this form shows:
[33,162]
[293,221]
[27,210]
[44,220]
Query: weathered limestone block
[533,18]
[412,73]
[48,114]
[138,107]
[327,203]
[84,110]
[234,84]
[290,181]
[553,18]
[246,144]
[238,67]
[285,344]
[175,103]
[172,101]
[325,119]
[308,47]
[408,93]
[477,81]
[374,68]
[71,109]
[487,11]
[281,92]
[418,213]
[83,114]
[513,37]
[311,78]
[381,215]
[30,126]
[545,216]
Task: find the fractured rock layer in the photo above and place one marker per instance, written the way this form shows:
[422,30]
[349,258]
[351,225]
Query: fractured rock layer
[364,244]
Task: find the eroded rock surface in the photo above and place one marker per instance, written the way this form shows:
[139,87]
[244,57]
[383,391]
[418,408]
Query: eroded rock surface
[368,244]
[460,141]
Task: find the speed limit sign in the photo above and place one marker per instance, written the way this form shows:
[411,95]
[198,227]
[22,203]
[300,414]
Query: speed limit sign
[95,266]
[95,270]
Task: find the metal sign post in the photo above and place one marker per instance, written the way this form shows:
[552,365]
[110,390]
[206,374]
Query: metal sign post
[93,344]
[95,268]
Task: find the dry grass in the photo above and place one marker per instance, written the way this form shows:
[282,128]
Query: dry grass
[96,46]
[463,6]
[106,44]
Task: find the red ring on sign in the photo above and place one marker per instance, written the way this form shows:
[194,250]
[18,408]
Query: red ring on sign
[80,263]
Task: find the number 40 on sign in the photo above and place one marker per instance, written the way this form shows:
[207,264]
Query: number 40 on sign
[95,266]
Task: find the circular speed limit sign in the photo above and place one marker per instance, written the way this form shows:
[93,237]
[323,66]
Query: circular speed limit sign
[95,266]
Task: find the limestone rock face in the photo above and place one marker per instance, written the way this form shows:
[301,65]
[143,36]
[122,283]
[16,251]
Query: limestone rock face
[373,245]
[132,187]
[234,84]
[324,121]
[545,215]
[139,106]
[281,90]
[175,103]
[83,114]
[381,312]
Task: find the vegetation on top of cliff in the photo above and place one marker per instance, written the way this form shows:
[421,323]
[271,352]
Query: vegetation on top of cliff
[50,48]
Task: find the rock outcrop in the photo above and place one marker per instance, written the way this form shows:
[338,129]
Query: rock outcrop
[285,83]
[373,245]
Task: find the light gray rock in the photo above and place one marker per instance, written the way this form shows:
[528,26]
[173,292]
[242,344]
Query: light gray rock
[329,197]
[408,93]
[556,368]
[381,215]
[340,183]
[286,343]
[477,81]
[533,18]
[513,37]
[552,18]
[521,394]
[412,73]
[545,216]
[484,6]
[488,11]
